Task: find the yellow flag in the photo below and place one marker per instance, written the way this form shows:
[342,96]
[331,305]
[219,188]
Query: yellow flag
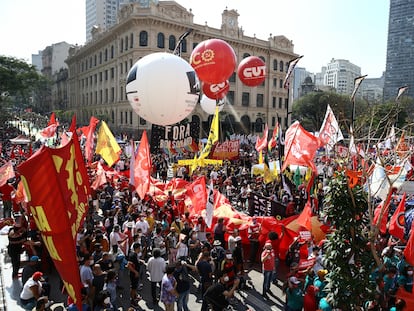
[212,137]
[107,146]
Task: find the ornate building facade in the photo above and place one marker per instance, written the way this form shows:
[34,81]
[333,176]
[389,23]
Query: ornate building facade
[98,70]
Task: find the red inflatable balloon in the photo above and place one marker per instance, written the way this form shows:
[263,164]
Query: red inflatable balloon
[252,71]
[216,91]
[213,60]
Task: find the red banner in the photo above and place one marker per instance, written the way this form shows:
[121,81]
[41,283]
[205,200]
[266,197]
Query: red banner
[57,189]
[228,150]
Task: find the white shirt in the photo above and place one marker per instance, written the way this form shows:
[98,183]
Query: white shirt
[143,225]
[156,268]
[26,292]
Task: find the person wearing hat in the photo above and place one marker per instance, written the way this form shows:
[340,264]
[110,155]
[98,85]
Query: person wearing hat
[294,295]
[217,253]
[31,267]
[31,291]
[268,266]
[320,283]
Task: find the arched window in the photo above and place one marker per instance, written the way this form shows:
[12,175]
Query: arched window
[126,43]
[281,66]
[262,58]
[112,52]
[143,38]
[160,40]
[122,45]
[246,55]
[171,43]
[184,46]
[275,64]
[131,41]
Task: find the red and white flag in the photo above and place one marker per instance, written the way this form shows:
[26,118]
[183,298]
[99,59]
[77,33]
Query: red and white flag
[330,133]
[397,222]
[6,172]
[292,65]
[142,167]
[261,143]
[300,147]
[197,193]
[90,139]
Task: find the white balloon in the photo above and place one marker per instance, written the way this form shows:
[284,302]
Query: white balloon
[209,105]
[162,88]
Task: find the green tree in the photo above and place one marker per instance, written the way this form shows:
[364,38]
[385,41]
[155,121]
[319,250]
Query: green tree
[348,256]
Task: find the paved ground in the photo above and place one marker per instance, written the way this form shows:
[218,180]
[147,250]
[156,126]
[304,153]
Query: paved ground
[246,300]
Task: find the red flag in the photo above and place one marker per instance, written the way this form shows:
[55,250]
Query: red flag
[197,193]
[304,218]
[57,187]
[300,147]
[6,172]
[397,222]
[142,170]
[100,178]
[409,248]
[90,139]
[49,132]
[52,120]
[72,127]
[275,137]
[381,213]
[261,143]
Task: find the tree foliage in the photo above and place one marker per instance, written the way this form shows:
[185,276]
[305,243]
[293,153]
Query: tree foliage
[347,254]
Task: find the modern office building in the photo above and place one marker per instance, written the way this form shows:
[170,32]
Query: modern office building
[299,78]
[340,74]
[400,49]
[372,89]
[98,70]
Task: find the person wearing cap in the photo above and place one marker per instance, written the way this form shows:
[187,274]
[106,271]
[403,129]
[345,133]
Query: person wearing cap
[31,291]
[268,266]
[320,283]
[294,295]
[217,253]
[31,267]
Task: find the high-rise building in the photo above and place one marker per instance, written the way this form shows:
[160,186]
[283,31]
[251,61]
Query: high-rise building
[98,70]
[340,74]
[300,74]
[102,14]
[400,49]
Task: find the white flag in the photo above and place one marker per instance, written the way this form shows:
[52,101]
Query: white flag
[330,133]
[210,205]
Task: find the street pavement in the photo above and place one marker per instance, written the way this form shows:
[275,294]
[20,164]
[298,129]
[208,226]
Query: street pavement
[250,299]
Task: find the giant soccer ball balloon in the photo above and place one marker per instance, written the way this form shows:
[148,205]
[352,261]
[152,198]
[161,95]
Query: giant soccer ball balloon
[214,60]
[162,88]
[209,105]
[252,71]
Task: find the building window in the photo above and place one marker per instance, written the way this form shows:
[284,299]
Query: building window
[112,72]
[280,102]
[287,67]
[122,45]
[100,57]
[245,99]
[194,45]
[259,100]
[230,97]
[273,102]
[106,54]
[263,59]
[274,82]
[95,78]
[130,117]
[106,95]
[246,55]
[275,64]
[90,62]
[281,66]
[281,84]
[112,51]
[100,76]
[184,46]
[130,63]
[171,43]
[143,38]
[106,75]
[112,94]
[95,60]
[100,96]
[126,43]
[160,40]
[142,121]
[122,117]
[286,103]
[273,121]
[131,41]
[126,117]
[232,77]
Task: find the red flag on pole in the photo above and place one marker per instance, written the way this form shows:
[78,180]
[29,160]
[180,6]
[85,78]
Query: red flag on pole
[52,120]
[57,188]
[90,139]
[304,218]
[381,213]
[261,143]
[397,222]
[142,170]
[409,248]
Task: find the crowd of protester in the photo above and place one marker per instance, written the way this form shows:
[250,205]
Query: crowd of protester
[170,249]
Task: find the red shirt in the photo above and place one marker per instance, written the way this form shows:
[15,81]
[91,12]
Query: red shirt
[268,264]
[6,190]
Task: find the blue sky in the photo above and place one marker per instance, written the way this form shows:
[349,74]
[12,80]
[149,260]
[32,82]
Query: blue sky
[355,30]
